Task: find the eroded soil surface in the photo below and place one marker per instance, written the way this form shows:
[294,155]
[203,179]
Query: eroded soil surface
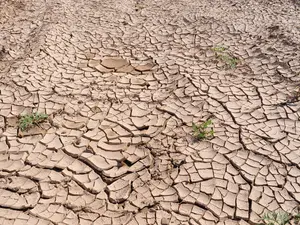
[122,82]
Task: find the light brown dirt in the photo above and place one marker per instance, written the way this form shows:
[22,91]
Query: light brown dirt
[122,83]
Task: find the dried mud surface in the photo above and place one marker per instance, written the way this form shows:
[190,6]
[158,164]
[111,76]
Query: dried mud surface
[122,82]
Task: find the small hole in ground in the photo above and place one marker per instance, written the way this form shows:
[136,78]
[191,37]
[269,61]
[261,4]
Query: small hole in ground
[143,128]
[128,163]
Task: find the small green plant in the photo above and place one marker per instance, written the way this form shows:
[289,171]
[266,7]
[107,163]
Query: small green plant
[30,120]
[219,49]
[276,218]
[229,60]
[297,218]
[294,97]
[281,217]
[203,131]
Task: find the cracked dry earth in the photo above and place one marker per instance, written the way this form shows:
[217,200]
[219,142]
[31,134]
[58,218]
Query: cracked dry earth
[122,82]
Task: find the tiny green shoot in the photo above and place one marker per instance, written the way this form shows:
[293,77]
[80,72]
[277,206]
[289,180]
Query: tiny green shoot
[30,120]
[203,131]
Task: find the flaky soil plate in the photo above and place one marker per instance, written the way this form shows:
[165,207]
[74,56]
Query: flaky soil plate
[122,82]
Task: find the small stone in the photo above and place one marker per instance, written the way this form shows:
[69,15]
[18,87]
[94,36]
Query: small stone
[145,67]
[93,63]
[125,69]
[114,63]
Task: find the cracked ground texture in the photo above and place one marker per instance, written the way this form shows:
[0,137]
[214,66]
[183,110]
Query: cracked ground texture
[122,82]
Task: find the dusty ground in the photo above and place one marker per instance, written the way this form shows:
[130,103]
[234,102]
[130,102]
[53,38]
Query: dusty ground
[118,146]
